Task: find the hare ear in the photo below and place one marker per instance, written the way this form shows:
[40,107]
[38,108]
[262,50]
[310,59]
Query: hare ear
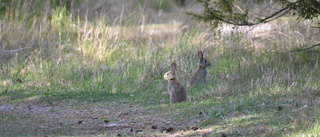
[173,67]
[200,54]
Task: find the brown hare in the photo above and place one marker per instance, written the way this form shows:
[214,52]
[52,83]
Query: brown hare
[176,90]
[199,75]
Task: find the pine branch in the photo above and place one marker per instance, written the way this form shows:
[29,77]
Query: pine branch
[213,16]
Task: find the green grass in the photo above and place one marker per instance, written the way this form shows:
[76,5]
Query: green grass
[74,67]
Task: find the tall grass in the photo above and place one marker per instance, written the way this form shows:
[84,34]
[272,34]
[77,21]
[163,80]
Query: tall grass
[62,51]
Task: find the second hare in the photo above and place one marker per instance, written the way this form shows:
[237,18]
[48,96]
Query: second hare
[199,75]
[176,90]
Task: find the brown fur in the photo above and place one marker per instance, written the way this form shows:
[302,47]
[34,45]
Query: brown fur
[200,74]
[176,90]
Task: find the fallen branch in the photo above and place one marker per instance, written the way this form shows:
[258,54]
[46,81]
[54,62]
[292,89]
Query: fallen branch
[15,50]
[305,106]
[297,50]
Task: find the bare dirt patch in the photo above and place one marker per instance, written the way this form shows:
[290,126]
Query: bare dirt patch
[70,117]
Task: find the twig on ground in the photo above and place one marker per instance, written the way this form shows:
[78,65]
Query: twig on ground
[15,50]
[297,50]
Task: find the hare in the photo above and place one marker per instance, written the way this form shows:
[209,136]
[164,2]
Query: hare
[176,90]
[199,75]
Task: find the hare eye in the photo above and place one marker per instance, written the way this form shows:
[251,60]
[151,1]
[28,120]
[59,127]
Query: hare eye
[205,61]
[167,73]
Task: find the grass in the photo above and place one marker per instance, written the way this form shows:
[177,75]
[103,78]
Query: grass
[65,74]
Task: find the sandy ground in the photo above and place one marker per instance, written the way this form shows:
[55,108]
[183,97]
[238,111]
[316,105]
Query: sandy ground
[70,117]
